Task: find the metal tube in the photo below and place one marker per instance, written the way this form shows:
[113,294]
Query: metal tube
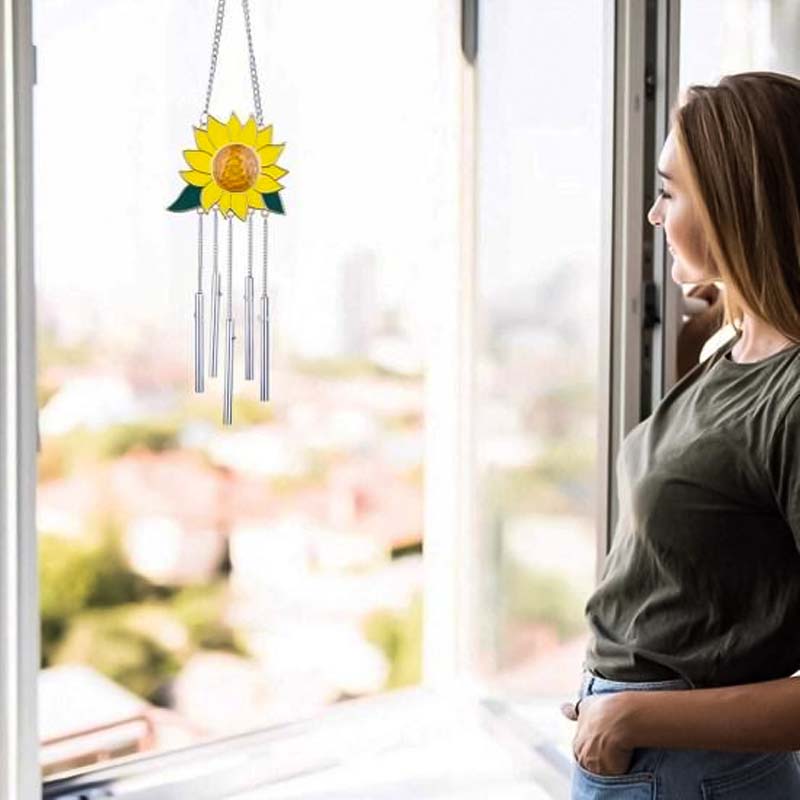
[264,361]
[249,294]
[227,401]
[199,335]
[216,294]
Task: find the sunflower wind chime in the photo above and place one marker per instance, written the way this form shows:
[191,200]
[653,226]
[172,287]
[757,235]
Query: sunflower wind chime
[234,173]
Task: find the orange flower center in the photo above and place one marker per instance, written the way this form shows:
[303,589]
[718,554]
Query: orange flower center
[236,168]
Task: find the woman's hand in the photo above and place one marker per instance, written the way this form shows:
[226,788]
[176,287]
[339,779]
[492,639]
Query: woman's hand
[699,328]
[599,743]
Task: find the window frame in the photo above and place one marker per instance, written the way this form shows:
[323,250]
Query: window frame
[19,608]
[640,305]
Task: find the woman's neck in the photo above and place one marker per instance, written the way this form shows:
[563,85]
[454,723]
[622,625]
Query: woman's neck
[758,340]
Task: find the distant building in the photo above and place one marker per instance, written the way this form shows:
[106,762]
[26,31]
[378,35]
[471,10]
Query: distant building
[93,402]
[85,718]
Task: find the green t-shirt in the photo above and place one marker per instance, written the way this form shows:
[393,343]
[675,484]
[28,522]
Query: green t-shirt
[702,580]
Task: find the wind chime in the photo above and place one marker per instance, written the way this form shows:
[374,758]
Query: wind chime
[234,173]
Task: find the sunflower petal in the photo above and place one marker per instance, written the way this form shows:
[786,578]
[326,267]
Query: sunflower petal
[249,131]
[267,184]
[239,204]
[210,194]
[255,200]
[235,129]
[198,160]
[274,171]
[203,141]
[195,178]
[269,153]
[264,137]
[225,202]
[217,132]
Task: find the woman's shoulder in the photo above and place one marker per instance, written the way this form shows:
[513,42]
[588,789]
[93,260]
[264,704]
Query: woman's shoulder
[717,344]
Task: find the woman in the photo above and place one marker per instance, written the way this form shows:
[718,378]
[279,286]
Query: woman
[687,689]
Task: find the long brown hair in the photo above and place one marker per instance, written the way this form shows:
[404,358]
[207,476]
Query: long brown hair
[740,145]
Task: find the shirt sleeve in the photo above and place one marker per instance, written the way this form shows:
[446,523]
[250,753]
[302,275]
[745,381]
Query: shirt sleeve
[784,467]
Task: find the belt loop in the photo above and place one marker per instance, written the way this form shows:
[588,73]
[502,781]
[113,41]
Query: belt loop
[586,684]
[586,690]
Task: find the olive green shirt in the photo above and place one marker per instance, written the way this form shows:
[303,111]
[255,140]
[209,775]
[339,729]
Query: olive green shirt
[702,580]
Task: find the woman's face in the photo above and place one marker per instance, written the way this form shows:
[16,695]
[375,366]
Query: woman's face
[674,211]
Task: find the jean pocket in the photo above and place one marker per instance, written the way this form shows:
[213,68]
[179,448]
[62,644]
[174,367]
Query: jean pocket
[766,775]
[587,785]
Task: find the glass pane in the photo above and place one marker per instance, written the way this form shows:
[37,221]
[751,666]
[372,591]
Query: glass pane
[723,36]
[199,580]
[719,37]
[540,112]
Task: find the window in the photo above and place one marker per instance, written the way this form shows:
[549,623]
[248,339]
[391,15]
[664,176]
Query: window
[448,226]
[541,171]
[718,37]
[199,581]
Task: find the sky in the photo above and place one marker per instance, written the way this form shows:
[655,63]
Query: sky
[354,89]
[122,83]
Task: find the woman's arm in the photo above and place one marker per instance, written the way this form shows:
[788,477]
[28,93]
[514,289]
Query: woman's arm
[748,717]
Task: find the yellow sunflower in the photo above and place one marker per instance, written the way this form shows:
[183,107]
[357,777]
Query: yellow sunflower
[234,165]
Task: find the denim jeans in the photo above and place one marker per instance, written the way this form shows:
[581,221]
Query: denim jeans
[673,774]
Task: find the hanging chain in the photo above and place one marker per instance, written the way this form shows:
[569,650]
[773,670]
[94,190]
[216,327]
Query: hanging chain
[252,60]
[253,70]
[230,265]
[250,244]
[200,252]
[214,54]
[264,252]
[216,243]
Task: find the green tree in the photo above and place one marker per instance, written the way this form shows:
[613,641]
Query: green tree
[107,639]
[543,596]
[399,636]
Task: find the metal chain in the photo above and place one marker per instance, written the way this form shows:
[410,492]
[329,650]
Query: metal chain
[214,54]
[250,244]
[253,70]
[200,252]
[216,242]
[252,59]
[266,218]
[230,265]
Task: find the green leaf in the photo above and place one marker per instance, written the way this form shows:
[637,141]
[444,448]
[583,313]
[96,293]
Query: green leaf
[273,201]
[189,198]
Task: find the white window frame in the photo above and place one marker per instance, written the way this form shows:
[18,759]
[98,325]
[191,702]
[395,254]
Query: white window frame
[19,607]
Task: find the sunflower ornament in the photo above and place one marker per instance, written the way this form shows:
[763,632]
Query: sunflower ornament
[233,174]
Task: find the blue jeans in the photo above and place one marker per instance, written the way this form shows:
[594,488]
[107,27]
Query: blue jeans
[672,774]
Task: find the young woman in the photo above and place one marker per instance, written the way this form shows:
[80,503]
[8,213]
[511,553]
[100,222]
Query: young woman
[687,689]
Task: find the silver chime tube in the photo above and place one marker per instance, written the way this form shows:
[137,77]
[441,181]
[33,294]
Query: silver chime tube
[264,329]
[199,329]
[249,299]
[227,404]
[216,295]
[199,336]
[249,296]
[264,320]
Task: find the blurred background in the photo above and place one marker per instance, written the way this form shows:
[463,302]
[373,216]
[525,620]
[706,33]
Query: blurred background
[199,580]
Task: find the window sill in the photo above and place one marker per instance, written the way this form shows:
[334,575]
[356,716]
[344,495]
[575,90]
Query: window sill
[415,743]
